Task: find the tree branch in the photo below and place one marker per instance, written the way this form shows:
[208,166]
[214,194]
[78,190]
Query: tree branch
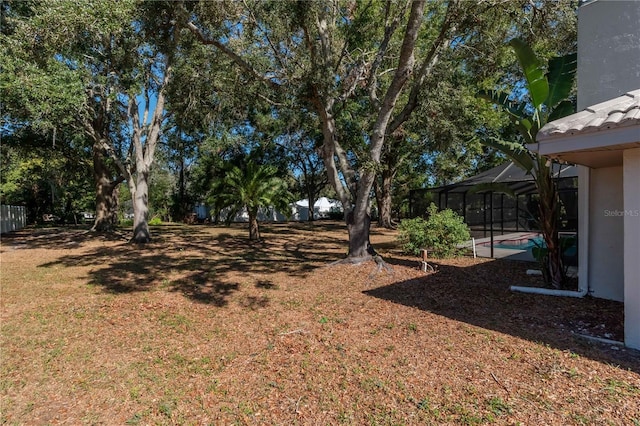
[402,74]
[232,55]
[389,30]
[429,63]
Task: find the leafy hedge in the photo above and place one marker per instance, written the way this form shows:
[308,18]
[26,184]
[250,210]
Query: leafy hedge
[441,233]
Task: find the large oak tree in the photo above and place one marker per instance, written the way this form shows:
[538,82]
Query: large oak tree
[115,60]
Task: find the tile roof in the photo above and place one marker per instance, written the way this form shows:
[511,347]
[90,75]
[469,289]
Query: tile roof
[619,112]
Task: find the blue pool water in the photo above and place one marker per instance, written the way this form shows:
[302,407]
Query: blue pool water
[524,244]
[527,244]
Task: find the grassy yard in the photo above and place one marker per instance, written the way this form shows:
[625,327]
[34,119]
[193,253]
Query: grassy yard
[202,327]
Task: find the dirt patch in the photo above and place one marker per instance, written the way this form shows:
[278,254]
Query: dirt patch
[202,327]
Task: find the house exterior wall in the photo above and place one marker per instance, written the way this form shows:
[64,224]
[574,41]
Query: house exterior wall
[631,177]
[608,50]
[606,233]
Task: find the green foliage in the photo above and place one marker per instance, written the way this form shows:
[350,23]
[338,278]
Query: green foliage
[46,180]
[155,221]
[547,101]
[540,253]
[254,186]
[162,184]
[441,233]
[413,235]
[336,215]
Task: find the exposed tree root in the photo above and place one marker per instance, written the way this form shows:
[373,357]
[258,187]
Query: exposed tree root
[351,261]
[380,263]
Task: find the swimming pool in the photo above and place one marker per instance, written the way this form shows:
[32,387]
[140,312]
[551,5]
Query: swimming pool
[570,250]
[522,244]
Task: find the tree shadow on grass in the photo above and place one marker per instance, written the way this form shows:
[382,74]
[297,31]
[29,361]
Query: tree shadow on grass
[206,265]
[480,295]
[58,237]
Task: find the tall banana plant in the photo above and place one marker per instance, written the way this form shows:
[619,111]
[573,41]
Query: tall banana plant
[548,100]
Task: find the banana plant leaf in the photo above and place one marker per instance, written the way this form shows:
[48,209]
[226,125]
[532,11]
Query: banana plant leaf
[533,72]
[561,76]
[563,109]
[516,112]
[515,151]
[501,99]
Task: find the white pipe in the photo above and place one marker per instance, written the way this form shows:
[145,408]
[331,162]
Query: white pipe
[550,292]
[600,339]
[473,243]
[584,206]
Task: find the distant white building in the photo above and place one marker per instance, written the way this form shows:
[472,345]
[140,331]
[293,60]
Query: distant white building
[299,211]
[321,208]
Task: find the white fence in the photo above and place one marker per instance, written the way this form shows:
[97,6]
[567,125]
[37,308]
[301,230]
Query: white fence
[13,218]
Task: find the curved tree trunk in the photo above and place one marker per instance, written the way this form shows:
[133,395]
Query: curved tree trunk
[354,187]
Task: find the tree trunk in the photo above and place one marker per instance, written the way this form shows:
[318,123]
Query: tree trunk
[359,230]
[114,201]
[548,209]
[384,200]
[254,230]
[106,194]
[310,197]
[353,188]
[140,196]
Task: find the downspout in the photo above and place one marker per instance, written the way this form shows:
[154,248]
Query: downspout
[550,292]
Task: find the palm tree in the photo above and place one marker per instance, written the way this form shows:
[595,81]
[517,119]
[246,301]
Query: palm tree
[253,187]
[548,95]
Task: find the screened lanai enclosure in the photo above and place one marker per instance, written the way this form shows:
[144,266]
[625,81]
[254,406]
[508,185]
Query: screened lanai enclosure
[501,200]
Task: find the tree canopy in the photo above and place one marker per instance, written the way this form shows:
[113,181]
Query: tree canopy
[368,97]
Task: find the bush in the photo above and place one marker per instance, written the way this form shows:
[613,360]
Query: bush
[129,222]
[441,233]
[336,215]
[155,221]
[413,235]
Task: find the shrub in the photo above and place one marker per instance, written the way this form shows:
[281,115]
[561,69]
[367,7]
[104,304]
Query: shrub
[336,215]
[413,235]
[441,233]
[155,221]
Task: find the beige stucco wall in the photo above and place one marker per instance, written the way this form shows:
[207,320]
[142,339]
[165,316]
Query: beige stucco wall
[606,233]
[631,159]
[608,66]
[608,50]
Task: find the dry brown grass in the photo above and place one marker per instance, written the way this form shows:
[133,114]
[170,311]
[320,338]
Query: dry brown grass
[201,327]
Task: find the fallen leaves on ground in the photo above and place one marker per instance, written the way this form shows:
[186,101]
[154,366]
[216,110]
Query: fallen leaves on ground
[202,327]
